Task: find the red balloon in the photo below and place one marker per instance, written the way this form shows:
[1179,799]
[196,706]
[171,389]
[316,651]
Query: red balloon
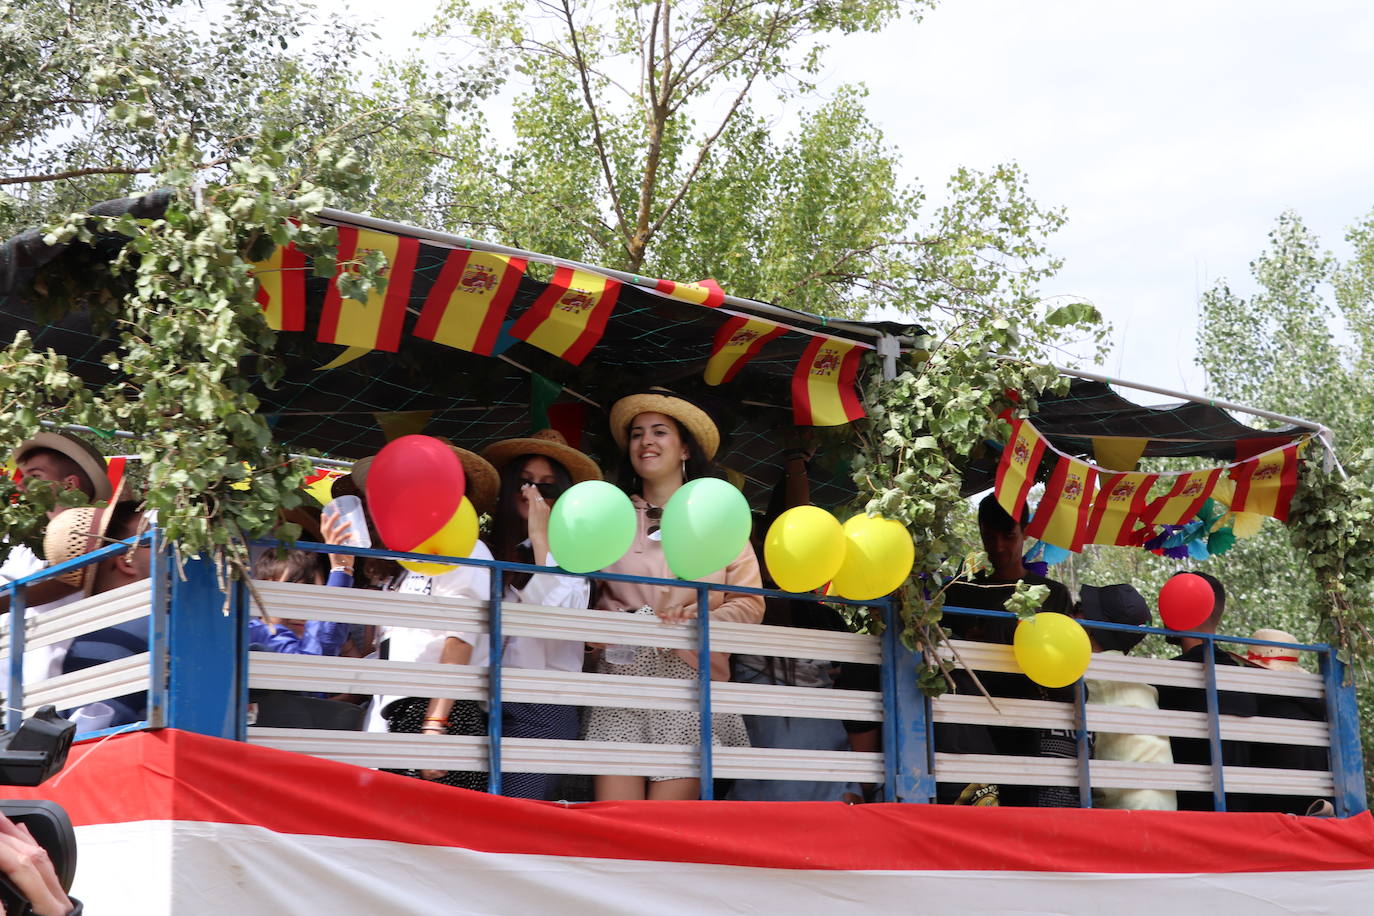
[413,488]
[1185,601]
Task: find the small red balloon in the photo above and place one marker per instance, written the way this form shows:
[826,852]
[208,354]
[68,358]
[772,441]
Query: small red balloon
[1185,601]
[413,488]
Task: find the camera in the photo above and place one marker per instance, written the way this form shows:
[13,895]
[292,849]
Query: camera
[28,756]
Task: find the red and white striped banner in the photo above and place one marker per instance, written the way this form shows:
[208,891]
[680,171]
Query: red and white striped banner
[171,822]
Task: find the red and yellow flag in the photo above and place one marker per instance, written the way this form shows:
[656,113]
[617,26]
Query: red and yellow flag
[739,340]
[1061,518]
[1119,505]
[1118,453]
[1265,485]
[468,303]
[1016,470]
[281,288]
[376,323]
[570,316]
[702,292]
[1184,499]
[823,392]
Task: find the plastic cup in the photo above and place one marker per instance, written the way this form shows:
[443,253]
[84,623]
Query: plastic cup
[93,717]
[350,509]
[619,655]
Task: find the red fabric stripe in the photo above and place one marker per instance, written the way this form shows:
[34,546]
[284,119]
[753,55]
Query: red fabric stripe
[596,324]
[177,775]
[1289,484]
[717,295]
[400,276]
[1041,520]
[333,302]
[436,303]
[1128,536]
[801,393]
[849,375]
[727,331]
[293,289]
[500,306]
[543,307]
[1242,474]
[1249,448]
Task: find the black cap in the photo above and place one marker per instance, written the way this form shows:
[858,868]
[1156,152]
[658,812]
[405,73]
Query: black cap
[1114,604]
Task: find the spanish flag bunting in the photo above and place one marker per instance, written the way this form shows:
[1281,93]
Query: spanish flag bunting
[281,288]
[376,323]
[468,303]
[320,483]
[1184,499]
[702,292]
[1061,518]
[1016,470]
[739,340]
[1119,504]
[115,469]
[570,316]
[823,392]
[1265,485]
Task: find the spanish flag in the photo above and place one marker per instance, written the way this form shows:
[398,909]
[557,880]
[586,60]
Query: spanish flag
[739,340]
[468,303]
[1184,499]
[1265,485]
[570,316]
[702,292]
[1016,470]
[281,288]
[823,391]
[376,323]
[1119,505]
[1061,518]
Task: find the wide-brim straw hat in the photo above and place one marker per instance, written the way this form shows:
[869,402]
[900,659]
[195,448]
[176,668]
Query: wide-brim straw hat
[547,442]
[72,533]
[483,481]
[660,400]
[78,450]
[1275,658]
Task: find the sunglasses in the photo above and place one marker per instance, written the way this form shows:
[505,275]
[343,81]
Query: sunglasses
[546,490]
[653,514]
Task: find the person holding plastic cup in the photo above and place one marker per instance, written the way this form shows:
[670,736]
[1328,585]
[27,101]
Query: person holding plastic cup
[668,441]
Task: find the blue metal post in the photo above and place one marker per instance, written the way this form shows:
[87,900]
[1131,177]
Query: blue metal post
[497,647]
[708,789]
[207,654]
[907,720]
[1085,782]
[1214,726]
[1342,716]
[14,696]
[159,577]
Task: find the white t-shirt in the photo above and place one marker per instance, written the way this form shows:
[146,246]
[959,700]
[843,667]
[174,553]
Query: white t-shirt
[533,651]
[45,661]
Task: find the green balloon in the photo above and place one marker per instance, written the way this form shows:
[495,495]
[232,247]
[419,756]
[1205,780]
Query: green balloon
[705,526]
[591,526]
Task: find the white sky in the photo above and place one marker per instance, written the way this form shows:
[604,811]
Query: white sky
[1174,132]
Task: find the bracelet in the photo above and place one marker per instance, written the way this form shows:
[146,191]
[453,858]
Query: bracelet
[342,569]
[442,720]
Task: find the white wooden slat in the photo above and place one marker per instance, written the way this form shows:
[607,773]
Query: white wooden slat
[128,602]
[1015,713]
[1108,774]
[98,682]
[314,602]
[530,755]
[343,675]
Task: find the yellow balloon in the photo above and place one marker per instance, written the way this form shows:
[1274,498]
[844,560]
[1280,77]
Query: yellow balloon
[1052,649]
[878,556]
[455,539]
[804,548]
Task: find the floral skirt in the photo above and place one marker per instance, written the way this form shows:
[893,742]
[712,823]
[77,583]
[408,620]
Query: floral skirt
[660,726]
[466,718]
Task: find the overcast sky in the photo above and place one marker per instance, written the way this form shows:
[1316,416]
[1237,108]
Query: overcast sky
[1173,132]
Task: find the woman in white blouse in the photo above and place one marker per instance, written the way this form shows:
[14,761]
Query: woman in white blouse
[535,471]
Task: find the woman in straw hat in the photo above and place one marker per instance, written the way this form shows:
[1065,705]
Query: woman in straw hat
[535,471]
[667,441]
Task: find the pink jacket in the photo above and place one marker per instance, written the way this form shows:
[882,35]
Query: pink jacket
[645,558]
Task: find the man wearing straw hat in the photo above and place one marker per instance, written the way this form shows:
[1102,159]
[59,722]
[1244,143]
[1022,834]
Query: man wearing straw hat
[69,464]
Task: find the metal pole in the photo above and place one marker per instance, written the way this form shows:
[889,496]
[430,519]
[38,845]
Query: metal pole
[157,631]
[496,645]
[1214,727]
[19,603]
[708,789]
[1085,782]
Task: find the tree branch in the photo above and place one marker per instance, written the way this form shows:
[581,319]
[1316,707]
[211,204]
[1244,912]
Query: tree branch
[71,173]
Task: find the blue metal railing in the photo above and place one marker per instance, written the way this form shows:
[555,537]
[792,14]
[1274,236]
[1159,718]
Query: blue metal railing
[198,670]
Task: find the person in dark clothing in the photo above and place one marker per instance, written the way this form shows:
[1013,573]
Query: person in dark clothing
[1285,756]
[1004,541]
[1191,699]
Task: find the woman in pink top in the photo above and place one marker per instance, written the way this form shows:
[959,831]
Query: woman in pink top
[668,441]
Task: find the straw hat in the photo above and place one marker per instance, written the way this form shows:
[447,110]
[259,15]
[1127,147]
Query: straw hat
[73,533]
[78,450]
[1275,658]
[660,400]
[483,482]
[549,443]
